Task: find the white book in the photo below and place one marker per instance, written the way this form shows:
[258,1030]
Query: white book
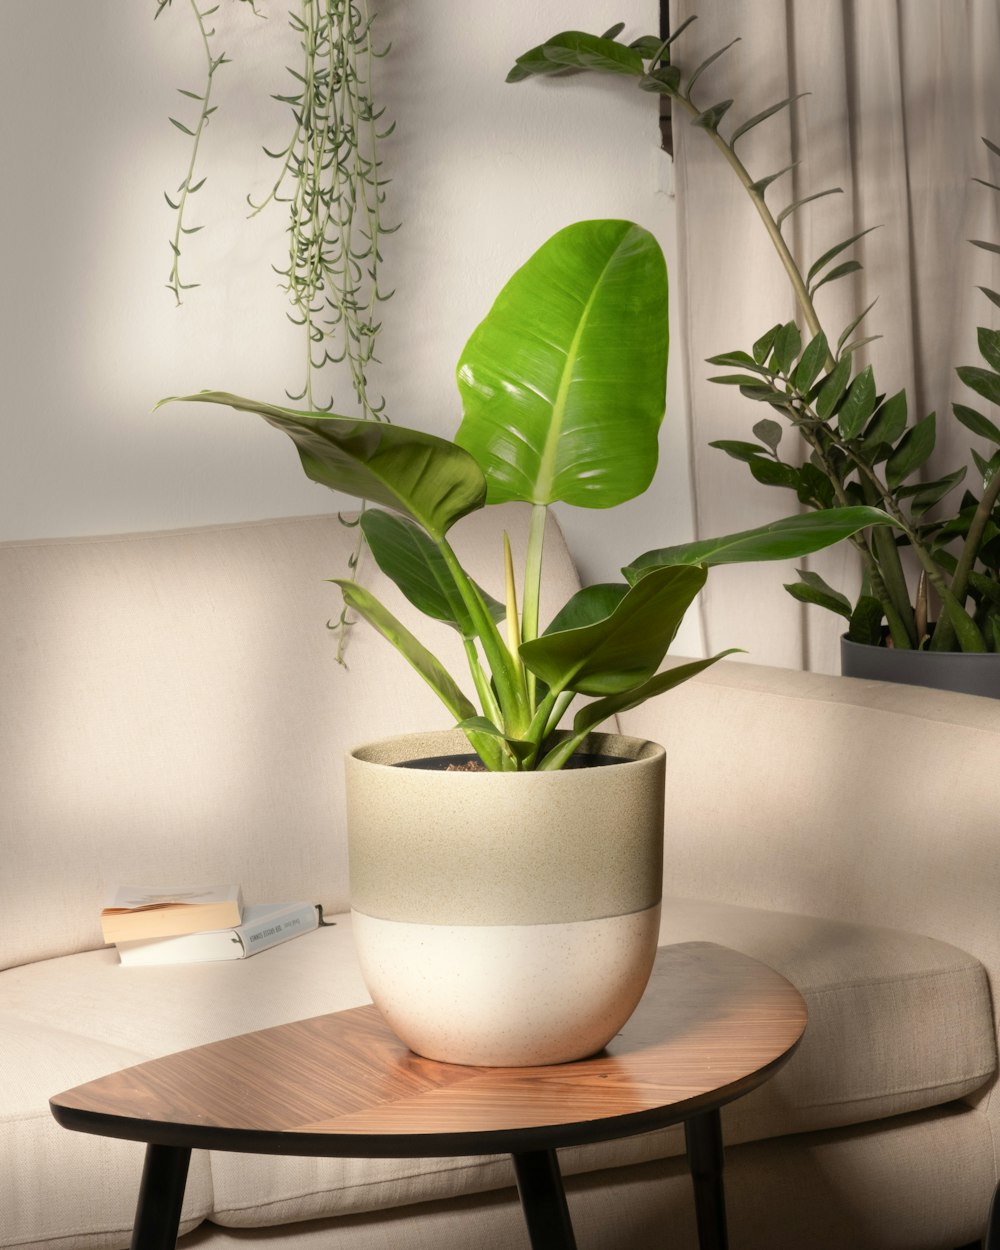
[264,925]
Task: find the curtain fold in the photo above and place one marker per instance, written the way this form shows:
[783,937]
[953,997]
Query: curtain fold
[899,95]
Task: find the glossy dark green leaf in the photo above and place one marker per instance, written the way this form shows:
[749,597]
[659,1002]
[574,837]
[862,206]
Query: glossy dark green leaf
[976,422]
[987,468]
[623,649]
[866,622]
[771,473]
[787,539]
[811,588]
[587,606]
[811,363]
[926,495]
[815,488]
[913,450]
[563,382]
[992,296]
[983,381]
[769,432]
[858,406]
[786,348]
[735,360]
[426,478]
[833,389]
[762,348]
[762,393]
[648,46]
[887,425]
[614,31]
[989,345]
[739,450]
[740,379]
[415,564]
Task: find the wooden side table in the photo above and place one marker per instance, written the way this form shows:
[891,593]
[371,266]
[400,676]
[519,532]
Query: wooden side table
[712,1026]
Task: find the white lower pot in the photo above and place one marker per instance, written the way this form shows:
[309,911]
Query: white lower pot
[505,919]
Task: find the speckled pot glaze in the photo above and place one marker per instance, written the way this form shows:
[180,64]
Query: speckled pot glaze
[505,919]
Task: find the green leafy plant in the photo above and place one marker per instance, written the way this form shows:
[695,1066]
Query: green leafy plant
[562,387]
[330,176]
[861,447]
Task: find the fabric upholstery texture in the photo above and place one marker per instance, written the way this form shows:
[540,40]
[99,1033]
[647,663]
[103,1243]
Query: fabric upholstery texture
[165,694]
[914,1015]
[174,711]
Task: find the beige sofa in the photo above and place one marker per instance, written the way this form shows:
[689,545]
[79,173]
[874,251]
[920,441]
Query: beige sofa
[172,709]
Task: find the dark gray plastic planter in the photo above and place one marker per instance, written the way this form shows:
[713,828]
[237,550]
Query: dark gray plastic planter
[961,671]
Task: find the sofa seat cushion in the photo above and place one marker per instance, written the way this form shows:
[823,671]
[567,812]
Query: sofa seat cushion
[898,1023]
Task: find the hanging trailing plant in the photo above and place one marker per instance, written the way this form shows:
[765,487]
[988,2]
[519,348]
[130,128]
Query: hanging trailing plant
[188,186]
[330,177]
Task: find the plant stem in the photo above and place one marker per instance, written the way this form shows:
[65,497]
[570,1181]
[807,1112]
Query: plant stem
[770,224]
[533,584]
[174,282]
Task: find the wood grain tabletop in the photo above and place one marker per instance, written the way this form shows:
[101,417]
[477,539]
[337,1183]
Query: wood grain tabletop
[712,1025]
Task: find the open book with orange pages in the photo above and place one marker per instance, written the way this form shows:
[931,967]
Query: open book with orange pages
[264,925]
[157,911]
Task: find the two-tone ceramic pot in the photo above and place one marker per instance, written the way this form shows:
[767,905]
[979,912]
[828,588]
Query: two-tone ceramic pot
[505,919]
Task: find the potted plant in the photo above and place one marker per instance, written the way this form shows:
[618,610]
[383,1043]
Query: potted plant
[855,445]
[508,913]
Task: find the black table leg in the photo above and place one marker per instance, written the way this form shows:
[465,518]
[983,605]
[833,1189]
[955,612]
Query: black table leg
[161,1195]
[703,1136]
[543,1200]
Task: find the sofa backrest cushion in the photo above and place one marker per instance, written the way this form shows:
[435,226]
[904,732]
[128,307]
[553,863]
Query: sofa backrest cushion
[173,712]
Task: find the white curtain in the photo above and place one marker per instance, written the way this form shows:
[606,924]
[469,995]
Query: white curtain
[901,92]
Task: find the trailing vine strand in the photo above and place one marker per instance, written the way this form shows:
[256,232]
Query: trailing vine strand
[188,186]
[330,177]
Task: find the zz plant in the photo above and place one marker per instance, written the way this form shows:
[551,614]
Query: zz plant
[562,386]
[862,446]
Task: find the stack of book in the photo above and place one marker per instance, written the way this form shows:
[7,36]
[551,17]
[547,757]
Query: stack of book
[168,925]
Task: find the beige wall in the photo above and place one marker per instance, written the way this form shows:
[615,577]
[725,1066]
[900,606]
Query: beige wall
[90,338]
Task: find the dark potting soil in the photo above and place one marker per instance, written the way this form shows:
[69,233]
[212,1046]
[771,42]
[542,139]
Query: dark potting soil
[471,763]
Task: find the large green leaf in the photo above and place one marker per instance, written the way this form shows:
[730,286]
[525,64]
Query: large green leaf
[413,651]
[623,649]
[420,475]
[409,558]
[563,381]
[781,540]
